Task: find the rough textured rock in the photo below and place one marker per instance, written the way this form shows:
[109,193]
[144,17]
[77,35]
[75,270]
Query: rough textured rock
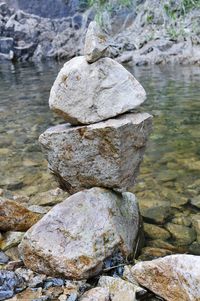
[96,43]
[96,294]
[119,289]
[87,93]
[99,154]
[174,277]
[76,236]
[14,217]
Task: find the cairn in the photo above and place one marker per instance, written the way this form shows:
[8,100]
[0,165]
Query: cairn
[95,156]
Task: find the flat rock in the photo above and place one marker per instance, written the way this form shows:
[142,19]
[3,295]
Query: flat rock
[86,93]
[99,154]
[174,277]
[15,217]
[76,236]
[96,43]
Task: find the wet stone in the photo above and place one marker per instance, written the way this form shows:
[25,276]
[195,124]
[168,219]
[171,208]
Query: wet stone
[196,201]
[181,234]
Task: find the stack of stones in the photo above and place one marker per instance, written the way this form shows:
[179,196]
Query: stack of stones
[95,157]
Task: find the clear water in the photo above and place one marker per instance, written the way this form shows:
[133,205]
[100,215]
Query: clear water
[172,160]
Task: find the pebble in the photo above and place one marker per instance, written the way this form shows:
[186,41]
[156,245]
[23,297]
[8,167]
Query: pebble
[10,284]
[53,282]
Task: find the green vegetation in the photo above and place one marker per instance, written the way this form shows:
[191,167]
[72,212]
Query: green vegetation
[103,8]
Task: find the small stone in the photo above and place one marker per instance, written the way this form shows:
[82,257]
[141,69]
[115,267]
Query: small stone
[3,258]
[53,282]
[96,43]
[11,239]
[25,273]
[174,277]
[148,253]
[96,294]
[196,226]
[155,211]
[99,154]
[53,292]
[10,284]
[72,297]
[160,244]
[181,234]
[182,220]
[88,93]
[15,217]
[167,176]
[37,281]
[98,222]
[28,295]
[194,248]
[155,232]
[13,253]
[119,289]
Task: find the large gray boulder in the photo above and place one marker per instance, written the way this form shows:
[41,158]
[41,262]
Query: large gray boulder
[106,154]
[86,93]
[75,237]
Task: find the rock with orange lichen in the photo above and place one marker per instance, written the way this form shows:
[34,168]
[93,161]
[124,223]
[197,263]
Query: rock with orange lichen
[75,236]
[174,277]
[15,217]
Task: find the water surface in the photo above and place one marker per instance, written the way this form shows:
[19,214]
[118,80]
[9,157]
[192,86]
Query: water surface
[171,168]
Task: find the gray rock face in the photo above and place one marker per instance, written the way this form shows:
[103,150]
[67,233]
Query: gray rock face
[107,154]
[87,93]
[75,237]
[96,43]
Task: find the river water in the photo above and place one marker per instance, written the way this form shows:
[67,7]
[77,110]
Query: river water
[169,182]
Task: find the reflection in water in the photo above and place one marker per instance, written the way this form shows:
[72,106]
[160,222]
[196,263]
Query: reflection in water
[170,172]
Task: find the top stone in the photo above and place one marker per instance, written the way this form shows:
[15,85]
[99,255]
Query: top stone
[96,43]
[86,93]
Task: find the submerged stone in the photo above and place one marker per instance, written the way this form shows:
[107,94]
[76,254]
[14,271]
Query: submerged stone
[76,236]
[86,93]
[106,154]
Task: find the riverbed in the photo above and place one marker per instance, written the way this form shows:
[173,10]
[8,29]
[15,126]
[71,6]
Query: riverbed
[169,180]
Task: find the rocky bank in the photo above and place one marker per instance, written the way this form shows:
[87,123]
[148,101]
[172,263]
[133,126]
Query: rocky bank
[150,32]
